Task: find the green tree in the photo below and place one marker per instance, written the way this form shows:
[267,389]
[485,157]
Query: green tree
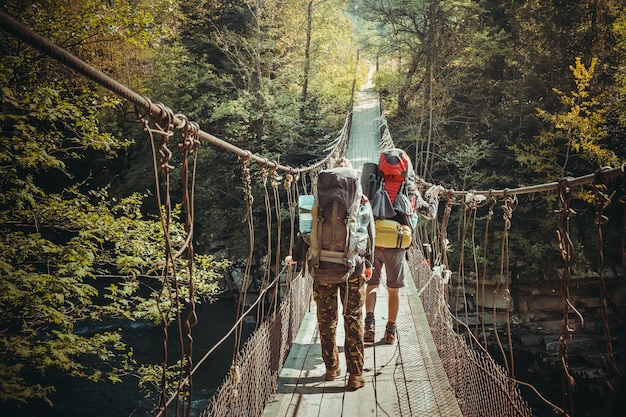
[440,93]
[241,80]
[573,141]
[71,253]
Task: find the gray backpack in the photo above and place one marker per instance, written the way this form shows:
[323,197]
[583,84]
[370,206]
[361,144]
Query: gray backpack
[342,228]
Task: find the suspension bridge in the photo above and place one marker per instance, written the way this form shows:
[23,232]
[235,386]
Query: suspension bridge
[438,367]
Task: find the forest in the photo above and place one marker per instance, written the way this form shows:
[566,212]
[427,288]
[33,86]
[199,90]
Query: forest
[483,94]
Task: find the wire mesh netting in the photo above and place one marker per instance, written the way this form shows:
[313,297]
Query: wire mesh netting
[482,387]
[252,380]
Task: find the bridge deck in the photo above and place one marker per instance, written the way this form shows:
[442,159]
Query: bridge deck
[404,379]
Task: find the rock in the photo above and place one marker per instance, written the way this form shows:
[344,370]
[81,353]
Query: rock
[587,372]
[492,300]
[532,340]
[545,303]
[609,272]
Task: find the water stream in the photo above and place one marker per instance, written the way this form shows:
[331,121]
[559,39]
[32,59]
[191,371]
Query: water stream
[81,398]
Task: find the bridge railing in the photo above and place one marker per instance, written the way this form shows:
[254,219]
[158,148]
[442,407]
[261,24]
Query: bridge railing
[472,309]
[481,386]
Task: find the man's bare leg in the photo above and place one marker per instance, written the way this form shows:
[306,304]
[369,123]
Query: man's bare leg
[370,303]
[393,307]
[394,304]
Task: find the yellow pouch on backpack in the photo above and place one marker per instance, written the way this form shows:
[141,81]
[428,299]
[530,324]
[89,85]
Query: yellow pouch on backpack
[391,234]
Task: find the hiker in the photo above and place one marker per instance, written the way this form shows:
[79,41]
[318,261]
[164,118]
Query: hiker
[340,260]
[395,203]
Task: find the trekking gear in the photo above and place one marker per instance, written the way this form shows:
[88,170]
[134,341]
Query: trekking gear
[390,333]
[332,374]
[394,168]
[305,219]
[392,234]
[393,203]
[382,208]
[356,381]
[342,226]
[395,195]
[369,179]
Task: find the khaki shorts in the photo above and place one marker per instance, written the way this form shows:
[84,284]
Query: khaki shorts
[395,267]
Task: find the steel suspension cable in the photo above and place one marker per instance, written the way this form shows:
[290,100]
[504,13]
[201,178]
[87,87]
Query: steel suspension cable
[565,336]
[494,201]
[460,287]
[276,181]
[291,184]
[268,223]
[602,200]
[510,204]
[245,282]
[189,147]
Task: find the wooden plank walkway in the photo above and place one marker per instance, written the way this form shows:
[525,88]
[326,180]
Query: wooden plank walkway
[364,141]
[404,379]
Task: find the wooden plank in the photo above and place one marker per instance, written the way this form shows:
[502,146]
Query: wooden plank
[381,363]
[440,394]
[293,368]
[382,377]
[309,390]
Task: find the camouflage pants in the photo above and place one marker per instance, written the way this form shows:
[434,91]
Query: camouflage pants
[352,295]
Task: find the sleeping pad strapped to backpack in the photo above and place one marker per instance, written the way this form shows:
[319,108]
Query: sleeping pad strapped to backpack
[342,219]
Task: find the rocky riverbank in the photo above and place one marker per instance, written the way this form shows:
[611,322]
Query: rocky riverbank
[536,312]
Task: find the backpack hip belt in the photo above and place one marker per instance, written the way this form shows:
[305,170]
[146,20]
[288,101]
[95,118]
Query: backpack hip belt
[336,258]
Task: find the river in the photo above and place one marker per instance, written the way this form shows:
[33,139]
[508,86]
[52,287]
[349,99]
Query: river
[80,398]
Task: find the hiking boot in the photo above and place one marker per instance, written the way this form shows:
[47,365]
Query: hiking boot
[390,333]
[369,330]
[332,374]
[355,381]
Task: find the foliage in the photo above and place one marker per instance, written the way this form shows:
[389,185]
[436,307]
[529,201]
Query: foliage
[620,75]
[236,69]
[466,160]
[573,142]
[465,85]
[72,254]
[439,91]
[84,259]
[462,82]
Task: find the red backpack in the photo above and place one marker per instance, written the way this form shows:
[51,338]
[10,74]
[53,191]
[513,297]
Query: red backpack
[395,193]
[394,167]
[393,202]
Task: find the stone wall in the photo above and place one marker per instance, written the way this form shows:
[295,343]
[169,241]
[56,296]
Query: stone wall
[536,316]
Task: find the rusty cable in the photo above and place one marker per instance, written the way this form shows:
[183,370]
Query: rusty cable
[494,201]
[188,147]
[291,187]
[460,285]
[160,161]
[567,253]
[601,201]
[268,223]
[249,219]
[276,182]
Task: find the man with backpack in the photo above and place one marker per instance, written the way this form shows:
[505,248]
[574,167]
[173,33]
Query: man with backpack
[396,203]
[340,260]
